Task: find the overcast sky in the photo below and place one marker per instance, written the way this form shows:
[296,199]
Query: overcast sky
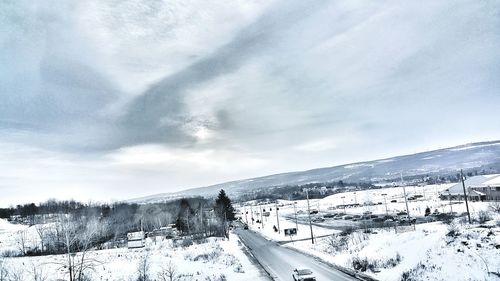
[115,99]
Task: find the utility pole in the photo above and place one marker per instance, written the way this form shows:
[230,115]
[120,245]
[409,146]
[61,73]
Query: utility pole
[277,216]
[246,217]
[385,202]
[251,213]
[355,198]
[309,215]
[406,201]
[343,202]
[465,195]
[451,208]
[295,210]
[261,217]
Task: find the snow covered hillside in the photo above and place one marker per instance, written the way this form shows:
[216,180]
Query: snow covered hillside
[480,156]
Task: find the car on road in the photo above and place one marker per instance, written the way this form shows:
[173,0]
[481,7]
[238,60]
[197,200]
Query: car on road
[318,220]
[303,274]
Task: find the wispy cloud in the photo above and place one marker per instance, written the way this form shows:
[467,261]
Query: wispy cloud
[281,85]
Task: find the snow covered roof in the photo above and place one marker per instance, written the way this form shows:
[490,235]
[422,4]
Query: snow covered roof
[475,181]
[493,181]
[475,192]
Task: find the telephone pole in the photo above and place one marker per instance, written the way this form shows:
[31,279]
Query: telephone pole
[406,201]
[277,216]
[385,203]
[261,217]
[309,215]
[465,195]
[295,211]
[251,213]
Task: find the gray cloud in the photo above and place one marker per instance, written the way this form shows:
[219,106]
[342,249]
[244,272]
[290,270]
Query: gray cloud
[286,86]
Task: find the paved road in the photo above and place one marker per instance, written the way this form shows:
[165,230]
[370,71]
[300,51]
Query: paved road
[280,261]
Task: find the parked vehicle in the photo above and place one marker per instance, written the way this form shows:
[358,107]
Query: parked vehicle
[318,220]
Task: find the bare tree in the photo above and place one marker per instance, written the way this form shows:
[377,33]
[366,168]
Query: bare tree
[4,273]
[37,273]
[86,240]
[15,274]
[168,272]
[21,240]
[143,269]
[42,231]
[78,237]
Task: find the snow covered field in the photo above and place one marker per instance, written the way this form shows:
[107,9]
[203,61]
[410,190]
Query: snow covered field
[214,259]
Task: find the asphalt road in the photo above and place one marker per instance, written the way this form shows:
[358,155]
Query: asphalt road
[280,261]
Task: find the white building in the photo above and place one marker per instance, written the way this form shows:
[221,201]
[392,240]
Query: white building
[479,188]
[135,239]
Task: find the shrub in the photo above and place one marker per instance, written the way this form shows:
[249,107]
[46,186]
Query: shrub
[392,262]
[483,216]
[187,242]
[362,264]
[495,207]
[453,230]
[413,274]
[337,243]
[347,231]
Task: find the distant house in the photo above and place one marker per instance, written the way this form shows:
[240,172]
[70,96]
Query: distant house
[479,188]
[135,239]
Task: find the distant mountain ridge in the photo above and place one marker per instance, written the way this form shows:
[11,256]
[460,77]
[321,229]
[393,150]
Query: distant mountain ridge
[480,156]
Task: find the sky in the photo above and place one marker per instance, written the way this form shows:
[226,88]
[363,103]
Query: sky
[109,100]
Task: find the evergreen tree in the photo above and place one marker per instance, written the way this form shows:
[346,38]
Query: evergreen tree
[223,207]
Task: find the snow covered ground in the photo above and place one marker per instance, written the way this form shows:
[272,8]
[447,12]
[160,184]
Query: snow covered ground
[214,259]
[429,252]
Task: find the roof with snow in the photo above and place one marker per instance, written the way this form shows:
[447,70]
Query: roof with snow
[476,181]
[493,181]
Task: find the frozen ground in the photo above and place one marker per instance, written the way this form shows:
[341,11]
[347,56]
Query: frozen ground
[214,259]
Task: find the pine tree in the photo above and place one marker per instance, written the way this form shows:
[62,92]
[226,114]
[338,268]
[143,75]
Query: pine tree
[223,207]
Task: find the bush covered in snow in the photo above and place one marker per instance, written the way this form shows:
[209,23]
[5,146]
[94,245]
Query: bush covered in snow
[364,264]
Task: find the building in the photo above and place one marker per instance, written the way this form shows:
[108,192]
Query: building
[490,189]
[479,188]
[135,239]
